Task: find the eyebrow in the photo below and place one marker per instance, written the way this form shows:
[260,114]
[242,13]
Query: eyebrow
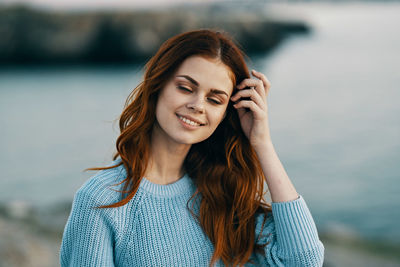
[193,81]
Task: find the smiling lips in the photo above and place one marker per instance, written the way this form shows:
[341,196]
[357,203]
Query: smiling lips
[190,121]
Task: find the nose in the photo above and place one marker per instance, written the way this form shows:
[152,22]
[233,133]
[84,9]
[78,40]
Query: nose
[196,105]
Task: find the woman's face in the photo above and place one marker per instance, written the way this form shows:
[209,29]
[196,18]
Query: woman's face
[193,102]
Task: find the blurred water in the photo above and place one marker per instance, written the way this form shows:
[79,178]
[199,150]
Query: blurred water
[333,108]
[55,123]
[334,115]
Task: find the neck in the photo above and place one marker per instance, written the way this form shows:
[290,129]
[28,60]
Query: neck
[166,160]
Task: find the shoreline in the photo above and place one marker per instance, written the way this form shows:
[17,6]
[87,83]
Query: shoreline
[39,36]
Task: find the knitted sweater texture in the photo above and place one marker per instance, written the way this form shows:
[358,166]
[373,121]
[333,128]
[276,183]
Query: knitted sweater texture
[155,228]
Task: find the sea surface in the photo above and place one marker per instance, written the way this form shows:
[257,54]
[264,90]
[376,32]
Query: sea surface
[333,106]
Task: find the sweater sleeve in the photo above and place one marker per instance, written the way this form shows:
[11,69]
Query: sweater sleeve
[292,236]
[88,235]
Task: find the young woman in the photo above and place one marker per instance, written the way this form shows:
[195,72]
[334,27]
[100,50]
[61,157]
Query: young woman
[186,187]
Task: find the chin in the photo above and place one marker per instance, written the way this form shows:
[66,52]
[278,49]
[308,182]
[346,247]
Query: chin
[190,140]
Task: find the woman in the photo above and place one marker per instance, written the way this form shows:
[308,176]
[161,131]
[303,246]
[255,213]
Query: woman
[186,187]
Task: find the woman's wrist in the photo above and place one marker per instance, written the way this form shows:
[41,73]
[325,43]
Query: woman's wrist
[264,145]
[279,184]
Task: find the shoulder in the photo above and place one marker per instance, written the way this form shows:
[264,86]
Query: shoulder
[102,188]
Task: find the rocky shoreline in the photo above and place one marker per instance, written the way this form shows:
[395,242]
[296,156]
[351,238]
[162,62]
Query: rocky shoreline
[32,236]
[61,37]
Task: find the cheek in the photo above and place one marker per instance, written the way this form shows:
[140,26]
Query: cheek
[219,116]
[165,101]
[161,109]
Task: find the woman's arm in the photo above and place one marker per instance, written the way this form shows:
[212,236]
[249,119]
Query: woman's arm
[291,235]
[88,236]
[279,184]
[291,226]
[253,114]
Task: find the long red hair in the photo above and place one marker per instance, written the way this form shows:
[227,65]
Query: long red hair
[224,167]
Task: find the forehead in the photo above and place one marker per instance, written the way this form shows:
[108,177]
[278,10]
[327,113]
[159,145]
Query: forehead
[209,73]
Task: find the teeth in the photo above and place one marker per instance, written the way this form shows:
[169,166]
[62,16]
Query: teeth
[189,121]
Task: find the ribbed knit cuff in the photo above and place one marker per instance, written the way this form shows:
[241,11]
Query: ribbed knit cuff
[295,227]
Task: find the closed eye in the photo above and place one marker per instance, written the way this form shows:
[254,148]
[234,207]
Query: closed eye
[214,101]
[184,88]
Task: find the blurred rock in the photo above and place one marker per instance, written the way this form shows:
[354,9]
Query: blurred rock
[21,246]
[38,36]
[31,236]
[17,210]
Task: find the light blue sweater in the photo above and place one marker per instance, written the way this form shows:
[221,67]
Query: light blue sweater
[156,229]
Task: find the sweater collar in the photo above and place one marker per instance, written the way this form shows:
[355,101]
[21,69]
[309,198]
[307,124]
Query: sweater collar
[180,187]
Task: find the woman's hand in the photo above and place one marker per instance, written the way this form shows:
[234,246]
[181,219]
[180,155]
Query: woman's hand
[251,104]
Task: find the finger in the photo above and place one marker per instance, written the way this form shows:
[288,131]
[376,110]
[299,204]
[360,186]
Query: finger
[249,82]
[256,83]
[252,94]
[263,78]
[242,111]
[248,104]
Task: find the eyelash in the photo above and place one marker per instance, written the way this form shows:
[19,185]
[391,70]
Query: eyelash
[215,101]
[189,91]
[184,89]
